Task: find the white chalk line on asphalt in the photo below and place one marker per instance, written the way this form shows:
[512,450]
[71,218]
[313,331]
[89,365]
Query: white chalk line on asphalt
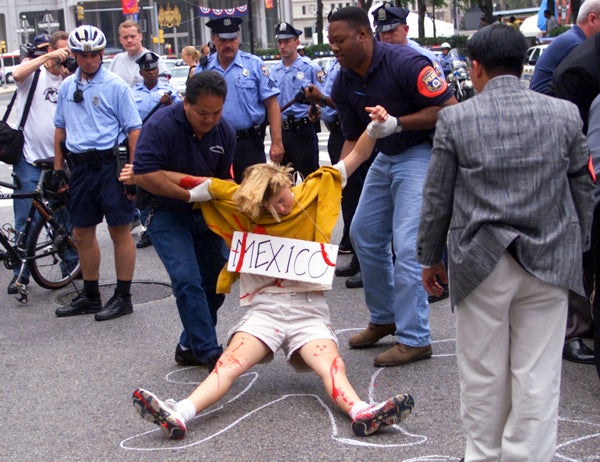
[413,439]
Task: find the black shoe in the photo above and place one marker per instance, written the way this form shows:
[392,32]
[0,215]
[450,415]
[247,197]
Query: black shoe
[187,358]
[433,298]
[350,269]
[578,352]
[82,304]
[12,285]
[355,282]
[345,248]
[144,241]
[117,306]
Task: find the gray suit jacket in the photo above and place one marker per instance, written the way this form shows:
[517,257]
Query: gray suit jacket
[508,166]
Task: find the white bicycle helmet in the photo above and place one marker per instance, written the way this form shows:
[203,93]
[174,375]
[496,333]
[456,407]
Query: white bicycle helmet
[445,45]
[87,38]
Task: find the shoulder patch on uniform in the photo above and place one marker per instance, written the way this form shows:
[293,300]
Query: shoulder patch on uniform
[321,76]
[429,83]
[265,70]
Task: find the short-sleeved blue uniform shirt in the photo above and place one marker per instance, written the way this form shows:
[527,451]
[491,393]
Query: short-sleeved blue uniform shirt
[291,80]
[249,84]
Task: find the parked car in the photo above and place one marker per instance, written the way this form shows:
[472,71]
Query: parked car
[271,62]
[9,62]
[533,54]
[179,75]
[325,62]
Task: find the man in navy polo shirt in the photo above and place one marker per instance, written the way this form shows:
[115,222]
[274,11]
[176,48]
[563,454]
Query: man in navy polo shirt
[188,137]
[388,212]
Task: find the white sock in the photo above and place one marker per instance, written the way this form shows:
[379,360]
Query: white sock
[358,408]
[186,408]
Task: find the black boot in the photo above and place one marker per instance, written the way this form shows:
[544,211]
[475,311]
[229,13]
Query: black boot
[350,269]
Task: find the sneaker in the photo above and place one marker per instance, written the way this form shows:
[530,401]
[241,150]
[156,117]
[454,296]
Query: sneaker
[390,412]
[161,413]
[82,304]
[12,285]
[117,306]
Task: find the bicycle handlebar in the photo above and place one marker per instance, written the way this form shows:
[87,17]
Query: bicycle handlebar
[16,184]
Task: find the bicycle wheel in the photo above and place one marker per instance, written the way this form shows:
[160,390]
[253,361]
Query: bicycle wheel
[52,255]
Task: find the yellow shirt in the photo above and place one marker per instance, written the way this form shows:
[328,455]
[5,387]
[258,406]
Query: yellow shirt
[312,219]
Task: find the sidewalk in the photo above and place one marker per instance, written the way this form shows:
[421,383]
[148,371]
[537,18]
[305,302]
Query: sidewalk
[8,88]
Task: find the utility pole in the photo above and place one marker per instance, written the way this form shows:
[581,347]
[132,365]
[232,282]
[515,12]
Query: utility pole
[320,22]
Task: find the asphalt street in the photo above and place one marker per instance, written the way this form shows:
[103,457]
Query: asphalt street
[67,384]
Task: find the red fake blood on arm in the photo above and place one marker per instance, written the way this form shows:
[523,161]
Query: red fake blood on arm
[188,182]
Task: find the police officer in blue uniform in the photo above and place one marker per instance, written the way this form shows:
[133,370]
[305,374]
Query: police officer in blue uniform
[96,112]
[292,74]
[251,101]
[391,27]
[153,91]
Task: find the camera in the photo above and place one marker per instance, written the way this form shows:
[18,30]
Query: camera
[28,50]
[70,64]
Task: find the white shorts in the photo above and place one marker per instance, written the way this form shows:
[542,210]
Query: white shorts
[287,321]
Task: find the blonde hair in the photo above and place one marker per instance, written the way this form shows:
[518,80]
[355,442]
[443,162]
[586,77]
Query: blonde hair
[261,182]
[190,50]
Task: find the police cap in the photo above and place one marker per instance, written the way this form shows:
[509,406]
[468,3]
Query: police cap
[387,18]
[41,41]
[148,60]
[226,28]
[284,30]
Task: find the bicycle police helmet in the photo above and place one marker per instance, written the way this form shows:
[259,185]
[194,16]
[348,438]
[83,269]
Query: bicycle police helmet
[445,45]
[87,38]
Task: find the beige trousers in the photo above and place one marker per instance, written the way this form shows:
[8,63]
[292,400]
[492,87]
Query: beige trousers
[509,340]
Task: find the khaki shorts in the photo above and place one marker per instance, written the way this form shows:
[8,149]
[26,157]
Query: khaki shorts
[287,321]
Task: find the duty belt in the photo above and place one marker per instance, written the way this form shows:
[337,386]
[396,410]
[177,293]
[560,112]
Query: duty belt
[93,156]
[294,124]
[334,126]
[257,130]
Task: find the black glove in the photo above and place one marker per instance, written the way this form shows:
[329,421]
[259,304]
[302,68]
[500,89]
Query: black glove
[56,181]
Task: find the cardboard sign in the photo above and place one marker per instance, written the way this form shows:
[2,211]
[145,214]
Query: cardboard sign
[282,258]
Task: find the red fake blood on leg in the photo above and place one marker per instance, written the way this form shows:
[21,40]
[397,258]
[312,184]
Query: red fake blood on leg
[335,392]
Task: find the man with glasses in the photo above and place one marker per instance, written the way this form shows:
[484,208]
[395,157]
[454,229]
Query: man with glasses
[124,64]
[95,113]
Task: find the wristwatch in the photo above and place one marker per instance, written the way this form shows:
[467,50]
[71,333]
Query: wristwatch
[398,125]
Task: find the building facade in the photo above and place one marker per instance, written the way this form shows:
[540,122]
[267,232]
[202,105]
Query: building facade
[180,21]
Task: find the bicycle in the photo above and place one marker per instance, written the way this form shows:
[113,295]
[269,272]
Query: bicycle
[47,248]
